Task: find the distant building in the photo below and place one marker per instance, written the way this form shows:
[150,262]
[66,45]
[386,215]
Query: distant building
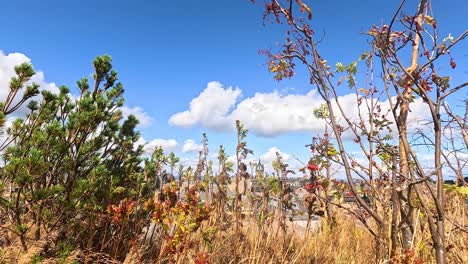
[259,169]
[294,183]
[300,193]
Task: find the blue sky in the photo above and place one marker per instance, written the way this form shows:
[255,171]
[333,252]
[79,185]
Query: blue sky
[166,52]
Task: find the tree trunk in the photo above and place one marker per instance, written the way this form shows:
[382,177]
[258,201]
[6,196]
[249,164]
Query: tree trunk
[395,210]
[405,209]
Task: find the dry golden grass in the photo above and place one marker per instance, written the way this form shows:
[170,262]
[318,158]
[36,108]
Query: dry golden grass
[348,241]
[345,243]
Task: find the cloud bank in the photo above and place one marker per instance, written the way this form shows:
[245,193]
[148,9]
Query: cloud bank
[271,114]
[139,113]
[7,71]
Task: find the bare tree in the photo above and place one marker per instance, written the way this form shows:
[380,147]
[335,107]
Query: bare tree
[383,107]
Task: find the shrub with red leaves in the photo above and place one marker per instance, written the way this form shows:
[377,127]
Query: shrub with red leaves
[313,167]
[122,211]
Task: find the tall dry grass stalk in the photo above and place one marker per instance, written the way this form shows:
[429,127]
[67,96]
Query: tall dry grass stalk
[347,241]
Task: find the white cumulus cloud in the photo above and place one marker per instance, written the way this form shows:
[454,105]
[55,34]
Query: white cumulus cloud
[274,113]
[7,71]
[269,156]
[211,108]
[139,113]
[190,146]
[271,114]
[169,145]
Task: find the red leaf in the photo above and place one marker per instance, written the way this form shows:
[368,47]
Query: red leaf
[452,63]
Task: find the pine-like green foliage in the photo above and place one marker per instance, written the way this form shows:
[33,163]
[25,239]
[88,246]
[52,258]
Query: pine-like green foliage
[71,157]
